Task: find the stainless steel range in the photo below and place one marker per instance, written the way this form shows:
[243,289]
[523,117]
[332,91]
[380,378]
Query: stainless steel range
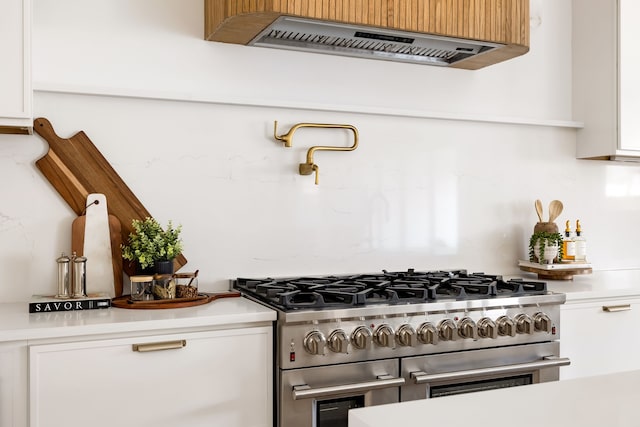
[351,341]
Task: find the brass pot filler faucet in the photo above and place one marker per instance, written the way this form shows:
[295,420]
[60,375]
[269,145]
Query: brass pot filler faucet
[310,167]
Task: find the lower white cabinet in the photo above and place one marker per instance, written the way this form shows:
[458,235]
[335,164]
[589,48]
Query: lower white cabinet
[209,378]
[600,337]
[13,384]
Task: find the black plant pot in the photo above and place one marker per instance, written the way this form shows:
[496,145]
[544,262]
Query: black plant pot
[163,267]
[147,271]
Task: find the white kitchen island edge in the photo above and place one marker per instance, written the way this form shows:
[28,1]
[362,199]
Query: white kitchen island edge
[607,400]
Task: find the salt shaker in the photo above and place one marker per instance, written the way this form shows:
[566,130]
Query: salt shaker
[64,277]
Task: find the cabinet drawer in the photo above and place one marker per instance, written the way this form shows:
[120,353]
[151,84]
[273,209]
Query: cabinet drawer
[194,379]
[595,335]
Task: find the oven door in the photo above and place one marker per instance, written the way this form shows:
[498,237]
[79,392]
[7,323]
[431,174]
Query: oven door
[322,396]
[477,370]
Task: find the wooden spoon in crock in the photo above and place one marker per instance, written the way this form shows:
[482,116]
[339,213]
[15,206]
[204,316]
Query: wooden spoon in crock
[555,209]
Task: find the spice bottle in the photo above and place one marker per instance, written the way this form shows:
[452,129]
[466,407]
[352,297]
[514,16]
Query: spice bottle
[568,244]
[164,287]
[141,288]
[186,285]
[581,244]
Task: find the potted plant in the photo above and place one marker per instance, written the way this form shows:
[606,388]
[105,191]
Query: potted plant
[150,245]
[545,247]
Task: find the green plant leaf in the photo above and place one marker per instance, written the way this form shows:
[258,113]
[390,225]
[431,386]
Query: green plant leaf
[149,242]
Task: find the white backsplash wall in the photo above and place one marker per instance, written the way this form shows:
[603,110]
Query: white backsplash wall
[418,192]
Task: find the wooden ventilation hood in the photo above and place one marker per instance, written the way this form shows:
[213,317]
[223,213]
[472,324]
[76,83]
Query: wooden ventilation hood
[469,34]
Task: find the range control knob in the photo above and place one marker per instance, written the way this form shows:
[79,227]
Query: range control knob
[506,326]
[361,338]
[315,343]
[467,328]
[524,324]
[384,336]
[542,322]
[487,328]
[338,341]
[427,333]
[405,335]
[447,330]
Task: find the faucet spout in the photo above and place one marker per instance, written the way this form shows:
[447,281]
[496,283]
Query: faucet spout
[287,138]
[310,167]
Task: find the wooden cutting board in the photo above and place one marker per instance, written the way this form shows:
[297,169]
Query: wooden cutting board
[76,168]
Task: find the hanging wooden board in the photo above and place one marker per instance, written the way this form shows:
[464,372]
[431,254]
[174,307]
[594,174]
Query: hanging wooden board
[76,168]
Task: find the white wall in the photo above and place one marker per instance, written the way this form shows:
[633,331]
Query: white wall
[418,192]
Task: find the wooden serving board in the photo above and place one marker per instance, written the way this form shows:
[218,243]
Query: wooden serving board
[203,298]
[562,274]
[76,168]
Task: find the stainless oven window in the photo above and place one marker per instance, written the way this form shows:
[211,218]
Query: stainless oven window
[335,412]
[482,385]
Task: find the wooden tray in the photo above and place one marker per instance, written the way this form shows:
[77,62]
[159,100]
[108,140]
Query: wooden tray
[203,298]
[560,274]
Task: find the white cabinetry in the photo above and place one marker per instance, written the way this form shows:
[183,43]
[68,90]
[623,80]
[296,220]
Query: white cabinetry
[208,378]
[598,336]
[15,71]
[606,78]
[13,384]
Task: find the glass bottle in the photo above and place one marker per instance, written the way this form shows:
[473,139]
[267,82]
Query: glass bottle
[568,244]
[581,244]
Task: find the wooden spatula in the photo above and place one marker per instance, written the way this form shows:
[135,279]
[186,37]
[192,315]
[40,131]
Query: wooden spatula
[555,209]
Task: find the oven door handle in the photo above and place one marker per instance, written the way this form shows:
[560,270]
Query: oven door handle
[383,381]
[546,362]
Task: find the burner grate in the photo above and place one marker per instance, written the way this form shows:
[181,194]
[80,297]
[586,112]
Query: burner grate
[388,287]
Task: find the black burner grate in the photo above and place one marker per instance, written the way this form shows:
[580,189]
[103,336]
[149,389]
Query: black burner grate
[400,287]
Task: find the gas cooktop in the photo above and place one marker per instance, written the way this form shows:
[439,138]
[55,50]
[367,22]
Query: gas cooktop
[390,288]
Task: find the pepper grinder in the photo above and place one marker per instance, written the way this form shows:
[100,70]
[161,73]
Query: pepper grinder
[79,276]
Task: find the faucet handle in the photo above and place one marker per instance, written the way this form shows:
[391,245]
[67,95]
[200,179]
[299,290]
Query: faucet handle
[308,169]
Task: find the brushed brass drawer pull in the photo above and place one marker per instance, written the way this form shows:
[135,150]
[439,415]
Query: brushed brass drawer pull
[614,308]
[157,346]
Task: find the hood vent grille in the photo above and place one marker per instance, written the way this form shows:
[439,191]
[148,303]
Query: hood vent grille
[367,42]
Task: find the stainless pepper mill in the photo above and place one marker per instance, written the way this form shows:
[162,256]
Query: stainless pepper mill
[79,276]
[64,277]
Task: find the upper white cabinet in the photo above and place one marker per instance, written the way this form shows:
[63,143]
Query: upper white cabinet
[606,78]
[15,73]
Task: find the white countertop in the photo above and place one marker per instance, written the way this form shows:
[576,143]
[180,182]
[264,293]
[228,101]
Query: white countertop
[608,400]
[599,284]
[16,323]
